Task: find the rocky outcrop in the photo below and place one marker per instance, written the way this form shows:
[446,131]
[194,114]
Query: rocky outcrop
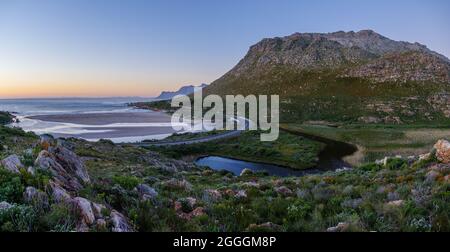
[67,168]
[443,151]
[12,163]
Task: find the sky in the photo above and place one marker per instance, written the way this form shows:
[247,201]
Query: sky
[99,48]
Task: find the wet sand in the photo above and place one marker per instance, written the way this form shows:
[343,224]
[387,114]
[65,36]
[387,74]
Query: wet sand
[106,118]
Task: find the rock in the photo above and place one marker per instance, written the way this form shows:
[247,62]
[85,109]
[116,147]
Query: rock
[341,227]
[12,164]
[265,227]
[423,157]
[211,195]
[98,210]
[59,194]
[5,206]
[72,163]
[32,195]
[246,172]
[199,211]
[69,173]
[46,141]
[178,184]
[396,203]
[31,170]
[283,191]
[443,151]
[242,194]
[146,192]
[119,222]
[251,184]
[84,208]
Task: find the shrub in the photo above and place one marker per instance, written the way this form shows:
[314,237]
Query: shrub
[60,218]
[11,188]
[396,164]
[127,182]
[17,219]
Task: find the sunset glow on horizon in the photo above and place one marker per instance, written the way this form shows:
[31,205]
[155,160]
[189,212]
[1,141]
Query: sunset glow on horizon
[84,48]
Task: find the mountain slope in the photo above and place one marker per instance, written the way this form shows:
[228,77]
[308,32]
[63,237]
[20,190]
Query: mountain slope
[344,77]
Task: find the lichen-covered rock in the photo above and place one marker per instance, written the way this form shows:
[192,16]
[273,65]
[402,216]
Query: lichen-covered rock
[443,151]
[12,163]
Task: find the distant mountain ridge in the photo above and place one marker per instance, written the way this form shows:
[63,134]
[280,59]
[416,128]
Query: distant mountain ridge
[342,76]
[185,90]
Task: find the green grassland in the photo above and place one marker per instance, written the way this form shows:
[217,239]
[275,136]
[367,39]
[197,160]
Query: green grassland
[289,150]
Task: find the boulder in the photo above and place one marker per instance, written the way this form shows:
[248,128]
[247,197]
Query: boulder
[242,194]
[12,163]
[396,203]
[178,184]
[341,227]
[72,163]
[59,194]
[5,206]
[284,191]
[265,227]
[443,151]
[84,209]
[146,192]
[119,222]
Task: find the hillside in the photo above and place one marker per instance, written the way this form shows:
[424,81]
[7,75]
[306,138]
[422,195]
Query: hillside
[345,77]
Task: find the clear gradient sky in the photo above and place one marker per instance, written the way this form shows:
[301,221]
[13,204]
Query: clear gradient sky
[52,48]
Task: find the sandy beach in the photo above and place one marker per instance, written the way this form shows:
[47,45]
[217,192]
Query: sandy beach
[120,126]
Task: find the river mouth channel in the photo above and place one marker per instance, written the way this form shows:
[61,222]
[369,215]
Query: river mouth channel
[330,159]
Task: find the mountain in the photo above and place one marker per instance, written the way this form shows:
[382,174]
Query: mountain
[186,90]
[344,77]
